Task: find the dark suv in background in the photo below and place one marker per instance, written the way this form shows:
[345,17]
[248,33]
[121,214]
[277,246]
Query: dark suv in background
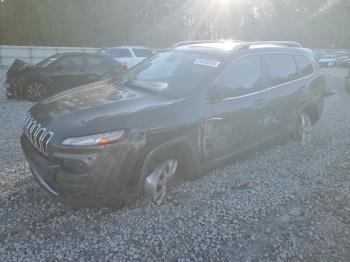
[58,73]
[177,114]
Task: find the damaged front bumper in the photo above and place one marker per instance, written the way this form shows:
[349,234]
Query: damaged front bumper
[8,90]
[11,89]
[99,177]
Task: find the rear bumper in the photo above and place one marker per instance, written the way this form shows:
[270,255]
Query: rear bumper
[98,179]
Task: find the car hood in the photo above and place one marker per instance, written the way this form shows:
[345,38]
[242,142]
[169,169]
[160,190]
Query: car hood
[19,66]
[98,107]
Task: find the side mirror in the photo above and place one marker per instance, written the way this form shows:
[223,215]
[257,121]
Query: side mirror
[218,93]
[214,94]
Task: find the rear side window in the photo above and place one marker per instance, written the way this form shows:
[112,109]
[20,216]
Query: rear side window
[95,61]
[120,52]
[70,62]
[142,52]
[242,77]
[304,66]
[98,61]
[281,68]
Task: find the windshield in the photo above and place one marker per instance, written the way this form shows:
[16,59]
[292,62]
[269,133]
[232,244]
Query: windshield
[48,60]
[173,73]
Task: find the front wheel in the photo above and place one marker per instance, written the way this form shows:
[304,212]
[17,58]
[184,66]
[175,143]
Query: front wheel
[36,90]
[303,129]
[157,181]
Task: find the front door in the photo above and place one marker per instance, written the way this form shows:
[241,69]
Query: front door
[234,118]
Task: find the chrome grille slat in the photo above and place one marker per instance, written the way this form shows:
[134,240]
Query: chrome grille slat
[37,130]
[37,135]
[41,139]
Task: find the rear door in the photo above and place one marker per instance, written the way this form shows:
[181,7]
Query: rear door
[283,91]
[234,120]
[67,71]
[96,67]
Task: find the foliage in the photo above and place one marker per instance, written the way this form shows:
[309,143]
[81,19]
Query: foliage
[159,23]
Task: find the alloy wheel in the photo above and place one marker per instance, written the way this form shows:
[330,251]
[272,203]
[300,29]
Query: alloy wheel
[157,182]
[36,91]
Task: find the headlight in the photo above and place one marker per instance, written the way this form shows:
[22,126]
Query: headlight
[99,139]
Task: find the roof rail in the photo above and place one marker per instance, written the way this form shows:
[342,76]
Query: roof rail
[247,45]
[182,43]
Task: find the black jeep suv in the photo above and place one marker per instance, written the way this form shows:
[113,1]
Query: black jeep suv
[177,114]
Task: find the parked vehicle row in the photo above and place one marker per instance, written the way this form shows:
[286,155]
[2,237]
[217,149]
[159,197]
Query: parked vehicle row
[341,59]
[63,71]
[177,114]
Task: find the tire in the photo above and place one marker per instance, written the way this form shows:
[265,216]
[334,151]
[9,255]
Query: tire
[303,129]
[159,174]
[35,90]
[157,181]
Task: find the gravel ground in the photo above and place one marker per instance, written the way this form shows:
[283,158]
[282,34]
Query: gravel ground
[287,203]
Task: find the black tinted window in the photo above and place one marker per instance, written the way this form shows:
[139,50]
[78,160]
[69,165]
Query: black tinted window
[120,52]
[49,60]
[242,77]
[97,61]
[281,68]
[71,62]
[142,52]
[304,65]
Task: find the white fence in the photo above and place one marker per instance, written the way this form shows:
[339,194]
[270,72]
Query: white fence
[34,54]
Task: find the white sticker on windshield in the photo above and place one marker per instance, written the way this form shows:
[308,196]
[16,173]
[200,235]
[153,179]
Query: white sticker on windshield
[205,62]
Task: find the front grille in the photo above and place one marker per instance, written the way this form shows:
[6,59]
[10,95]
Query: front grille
[38,135]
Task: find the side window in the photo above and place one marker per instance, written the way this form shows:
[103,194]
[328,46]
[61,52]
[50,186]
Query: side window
[304,65]
[120,52]
[242,77]
[281,68]
[142,52]
[70,62]
[96,61]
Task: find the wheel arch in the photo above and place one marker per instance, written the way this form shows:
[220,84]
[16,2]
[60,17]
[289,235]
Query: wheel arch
[313,111]
[183,149]
[48,82]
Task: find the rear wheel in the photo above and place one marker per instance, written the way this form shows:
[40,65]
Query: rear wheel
[303,129]
[36,90]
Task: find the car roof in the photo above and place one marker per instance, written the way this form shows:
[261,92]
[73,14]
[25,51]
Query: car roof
[82,54]
[229,47]
[121,47]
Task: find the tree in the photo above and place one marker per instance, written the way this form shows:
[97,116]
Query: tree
[159,23]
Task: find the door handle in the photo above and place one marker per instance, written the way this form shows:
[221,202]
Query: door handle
[260,102]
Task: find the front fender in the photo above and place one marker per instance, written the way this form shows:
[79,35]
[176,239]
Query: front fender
[189,154]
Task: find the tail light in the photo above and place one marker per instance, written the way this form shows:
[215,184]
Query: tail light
[124,66]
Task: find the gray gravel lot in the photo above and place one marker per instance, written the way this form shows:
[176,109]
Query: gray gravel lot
[287,203]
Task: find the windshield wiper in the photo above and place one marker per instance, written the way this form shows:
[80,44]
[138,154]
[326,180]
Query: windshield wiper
[132,84]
